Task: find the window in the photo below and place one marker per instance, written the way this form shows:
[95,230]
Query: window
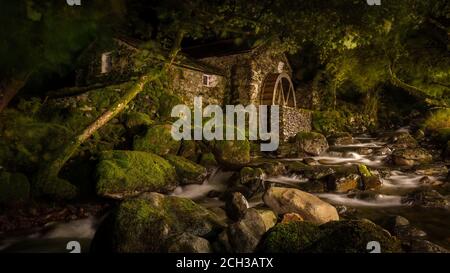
[106,62]
[280,67]
[207,80]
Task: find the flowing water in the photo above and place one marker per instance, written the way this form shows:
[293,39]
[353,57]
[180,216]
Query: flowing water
[386,201]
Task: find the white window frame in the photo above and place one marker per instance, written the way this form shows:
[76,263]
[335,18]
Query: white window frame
[106,63]
[209,80]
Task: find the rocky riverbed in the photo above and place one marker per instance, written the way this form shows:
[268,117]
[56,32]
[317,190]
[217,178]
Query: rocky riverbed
[333,194]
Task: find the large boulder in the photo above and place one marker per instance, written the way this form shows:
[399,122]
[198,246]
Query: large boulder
[123,174]
[308,206]
[188,243]
[158,139]
[290,237]
[187,171]
[14,187]
[411,157]
[402,139]
[245,235]
[232,152]
[148,224]
[340,138]
[311,143]
[427,198]
[252,178]
[332,237]
[236,206]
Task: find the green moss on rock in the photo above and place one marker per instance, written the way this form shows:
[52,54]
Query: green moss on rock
[14,187]
[127,173]
[311,143]
[232,152]
[352,237]
[146,223]
[134,120]
[332,237]
[208,160]
[187,171]
[291,237]
[158,139]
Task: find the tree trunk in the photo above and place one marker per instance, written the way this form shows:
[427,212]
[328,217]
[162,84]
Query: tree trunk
[10,89]
[414,91]
[48,175]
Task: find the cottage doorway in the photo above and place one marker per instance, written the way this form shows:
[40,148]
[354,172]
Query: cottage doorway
[277,89]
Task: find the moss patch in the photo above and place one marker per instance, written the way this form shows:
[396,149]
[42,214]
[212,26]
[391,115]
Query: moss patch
[291,237]
[126,173]
[144,224]
[232,151]
[188,171]
[332,237]
[158,139]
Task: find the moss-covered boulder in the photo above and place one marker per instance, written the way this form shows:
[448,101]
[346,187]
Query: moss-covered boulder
[370,180]
[158,139]
[411,157]
[332,237]
[55,187]
[135,120]
[252,178]
[122,174]
[14,187]
[189,150]
[402,139]
[147,223]
[311,143]
[352,237]
[208,160]
[290,237]
[188,172]
[340,138]
[232,152]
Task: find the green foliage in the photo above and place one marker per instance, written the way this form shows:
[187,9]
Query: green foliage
[26,142]
[45,35]
[327,122]
[124,173]
[438,120]
[14,187]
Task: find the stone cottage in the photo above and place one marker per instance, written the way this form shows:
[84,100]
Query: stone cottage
[221,72]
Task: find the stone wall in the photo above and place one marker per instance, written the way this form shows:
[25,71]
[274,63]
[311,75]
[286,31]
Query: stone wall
[265,61]
[246,72]
[187,83]
[90,62]
[292,121]
[237,71]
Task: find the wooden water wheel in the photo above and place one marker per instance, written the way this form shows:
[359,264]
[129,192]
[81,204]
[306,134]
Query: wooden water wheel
[278,89]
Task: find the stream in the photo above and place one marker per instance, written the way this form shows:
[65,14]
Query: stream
[374,205]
